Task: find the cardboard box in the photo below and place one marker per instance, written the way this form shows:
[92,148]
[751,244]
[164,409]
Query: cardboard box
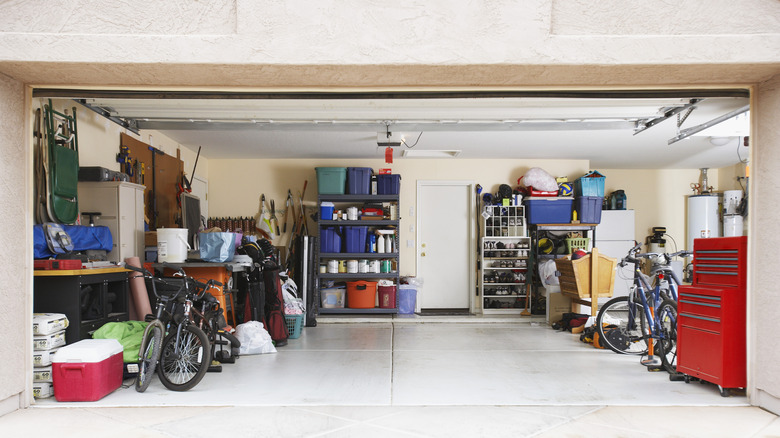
[150,238]
[557,305]
[87,370]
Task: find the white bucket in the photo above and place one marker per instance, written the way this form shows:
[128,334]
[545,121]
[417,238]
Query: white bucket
[732,225]
[172,245]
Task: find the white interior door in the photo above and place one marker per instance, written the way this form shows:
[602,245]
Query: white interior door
[200,188]
[445,244]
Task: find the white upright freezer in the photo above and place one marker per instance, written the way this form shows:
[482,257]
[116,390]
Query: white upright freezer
[615,235]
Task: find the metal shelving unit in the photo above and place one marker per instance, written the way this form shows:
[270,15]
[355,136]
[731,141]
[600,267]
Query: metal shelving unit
[353,200]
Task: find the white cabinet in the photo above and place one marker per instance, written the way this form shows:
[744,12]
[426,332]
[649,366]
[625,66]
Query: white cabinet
[121,208]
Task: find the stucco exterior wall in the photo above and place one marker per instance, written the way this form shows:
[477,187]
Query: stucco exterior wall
[764,300]
[16,256]
[350,43]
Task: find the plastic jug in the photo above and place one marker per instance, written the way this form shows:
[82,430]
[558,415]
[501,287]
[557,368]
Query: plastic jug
[617,200]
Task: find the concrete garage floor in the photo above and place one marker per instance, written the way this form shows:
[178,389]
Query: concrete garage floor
[425,377]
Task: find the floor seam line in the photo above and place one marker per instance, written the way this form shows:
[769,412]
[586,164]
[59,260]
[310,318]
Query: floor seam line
[392,359]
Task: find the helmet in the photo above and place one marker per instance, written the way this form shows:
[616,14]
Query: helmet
[546,245]
[578,254]
[565,189]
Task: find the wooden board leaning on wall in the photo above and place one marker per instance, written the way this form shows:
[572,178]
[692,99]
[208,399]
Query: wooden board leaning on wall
[164,178]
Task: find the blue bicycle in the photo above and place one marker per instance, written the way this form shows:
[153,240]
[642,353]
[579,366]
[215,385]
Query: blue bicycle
[647,316]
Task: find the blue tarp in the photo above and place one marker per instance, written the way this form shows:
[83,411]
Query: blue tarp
[83,237]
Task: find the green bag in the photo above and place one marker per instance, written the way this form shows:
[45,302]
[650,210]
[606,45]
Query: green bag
[128,333]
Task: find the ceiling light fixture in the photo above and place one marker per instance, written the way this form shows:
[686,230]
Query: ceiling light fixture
[421,153]
[720,141]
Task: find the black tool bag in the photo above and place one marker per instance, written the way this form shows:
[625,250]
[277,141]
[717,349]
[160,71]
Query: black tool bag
[570,320]
[251,296]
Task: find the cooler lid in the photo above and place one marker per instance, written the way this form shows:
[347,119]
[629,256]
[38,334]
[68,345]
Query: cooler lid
[88,350]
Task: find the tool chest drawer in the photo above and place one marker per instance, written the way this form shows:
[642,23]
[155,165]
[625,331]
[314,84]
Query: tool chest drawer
[720,262]
[699,301]
[700,322]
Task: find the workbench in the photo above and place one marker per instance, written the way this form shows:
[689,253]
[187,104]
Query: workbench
[89,298]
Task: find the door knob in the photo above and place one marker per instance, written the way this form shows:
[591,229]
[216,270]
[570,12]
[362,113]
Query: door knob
[422,255]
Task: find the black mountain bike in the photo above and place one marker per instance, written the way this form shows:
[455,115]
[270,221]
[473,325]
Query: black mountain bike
[172,345]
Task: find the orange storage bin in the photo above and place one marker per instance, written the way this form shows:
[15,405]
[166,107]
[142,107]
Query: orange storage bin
[361,294]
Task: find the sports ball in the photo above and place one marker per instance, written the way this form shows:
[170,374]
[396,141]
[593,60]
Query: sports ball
[565,189]
[578,254]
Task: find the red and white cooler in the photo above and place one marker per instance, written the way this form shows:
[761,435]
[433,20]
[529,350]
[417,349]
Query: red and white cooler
[87,370]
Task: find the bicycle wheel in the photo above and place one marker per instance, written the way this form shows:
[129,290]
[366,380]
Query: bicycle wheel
[667,318]
[148,357]
[183,370]
[627,336]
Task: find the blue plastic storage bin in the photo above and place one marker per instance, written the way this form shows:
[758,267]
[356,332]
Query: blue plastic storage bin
[355,239]
[331,180]
[589,209]
[330,240]
[591,184]
[548,210]
[326,211]
[359,180]
[388,184]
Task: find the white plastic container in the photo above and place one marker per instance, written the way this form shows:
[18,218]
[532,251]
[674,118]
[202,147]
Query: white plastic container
[172,245]
[333,298]
[48,323]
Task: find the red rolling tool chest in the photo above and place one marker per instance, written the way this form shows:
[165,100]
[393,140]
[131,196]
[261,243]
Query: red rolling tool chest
[712,314]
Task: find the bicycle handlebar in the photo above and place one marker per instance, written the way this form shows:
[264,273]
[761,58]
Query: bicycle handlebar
[200,288]
[634,255]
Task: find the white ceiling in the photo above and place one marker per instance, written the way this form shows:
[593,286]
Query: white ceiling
[597,129]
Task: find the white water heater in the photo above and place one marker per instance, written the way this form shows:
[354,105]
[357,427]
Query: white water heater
[703,218]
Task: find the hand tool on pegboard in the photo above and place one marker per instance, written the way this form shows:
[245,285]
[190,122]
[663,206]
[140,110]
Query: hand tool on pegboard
[273,217]
[287,205]
[304,225]
[124,160]
[262,225]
